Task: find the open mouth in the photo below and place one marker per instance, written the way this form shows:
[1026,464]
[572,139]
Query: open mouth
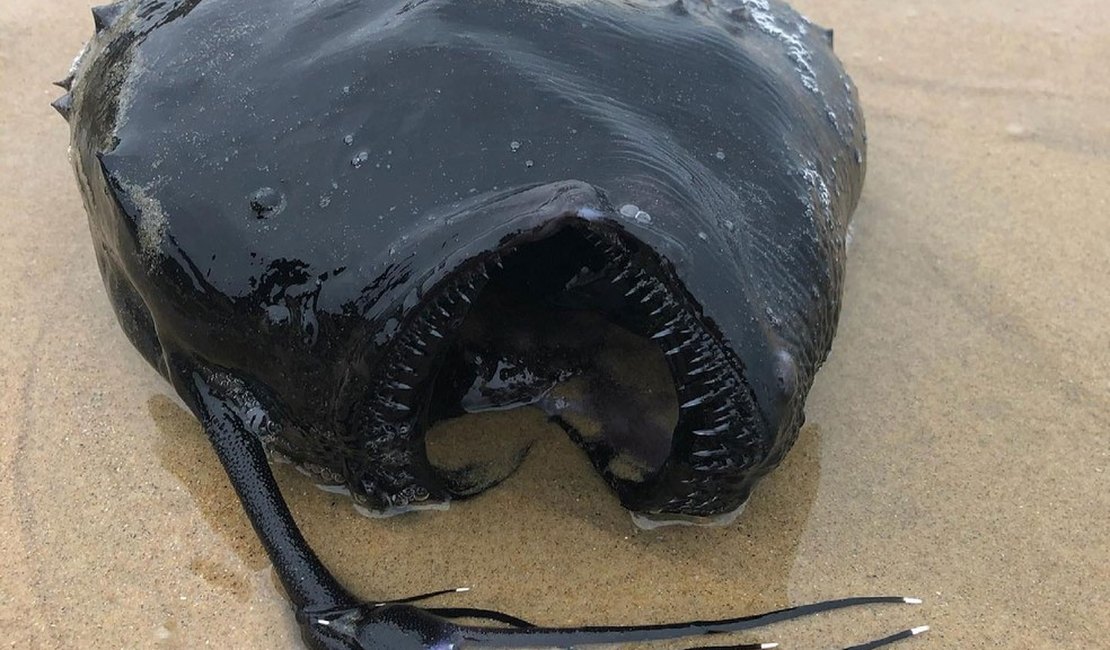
[583,320]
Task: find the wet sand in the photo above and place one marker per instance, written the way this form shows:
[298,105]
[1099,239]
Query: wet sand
[957,444]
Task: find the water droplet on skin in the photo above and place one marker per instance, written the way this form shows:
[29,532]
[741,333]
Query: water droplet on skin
[528,163]
[643,217]
[720,155]
[514,146]
[348,139]
[360,158]
[266,202]
[702,236]
[277,314]
[629,210]
[729,226]
[325,200]
[346,90]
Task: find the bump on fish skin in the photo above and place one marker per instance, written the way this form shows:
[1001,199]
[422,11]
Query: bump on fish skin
[64,105]
[105,16]
[740,14]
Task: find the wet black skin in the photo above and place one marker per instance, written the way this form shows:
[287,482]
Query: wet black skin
[296,203]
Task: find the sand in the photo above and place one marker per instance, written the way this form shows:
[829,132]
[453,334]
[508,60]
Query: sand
[957,443]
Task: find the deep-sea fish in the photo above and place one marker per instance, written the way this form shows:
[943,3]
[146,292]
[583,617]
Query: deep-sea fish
[331,224]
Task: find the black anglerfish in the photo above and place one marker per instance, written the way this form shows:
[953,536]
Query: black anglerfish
[332,223]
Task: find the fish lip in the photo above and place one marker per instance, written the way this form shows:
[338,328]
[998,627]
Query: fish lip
[719,444]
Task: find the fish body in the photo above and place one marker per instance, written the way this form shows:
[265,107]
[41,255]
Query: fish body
[331,224]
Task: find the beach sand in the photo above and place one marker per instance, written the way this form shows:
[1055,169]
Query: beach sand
[957,439]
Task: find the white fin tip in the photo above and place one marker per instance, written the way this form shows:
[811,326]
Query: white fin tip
[919,630]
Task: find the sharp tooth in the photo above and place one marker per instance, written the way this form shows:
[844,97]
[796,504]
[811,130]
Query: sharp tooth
[716,465]
[639,286]
[711,432]
[675,350]
[704,356]
[693,402]
[663,332]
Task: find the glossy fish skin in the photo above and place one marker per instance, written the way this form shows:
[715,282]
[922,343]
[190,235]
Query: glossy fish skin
[283,195]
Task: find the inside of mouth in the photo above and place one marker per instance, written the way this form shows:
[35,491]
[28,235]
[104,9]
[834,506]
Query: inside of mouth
[582,322]
[551,330]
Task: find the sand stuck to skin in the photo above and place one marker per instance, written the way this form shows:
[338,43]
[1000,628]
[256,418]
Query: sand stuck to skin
[956,447]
